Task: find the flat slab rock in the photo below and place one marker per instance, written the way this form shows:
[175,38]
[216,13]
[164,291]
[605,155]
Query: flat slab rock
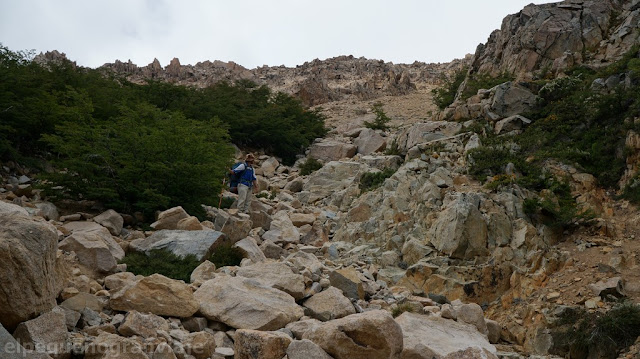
[179,242]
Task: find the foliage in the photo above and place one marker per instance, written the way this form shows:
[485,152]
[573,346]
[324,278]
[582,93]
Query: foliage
[596,334]
[381,122]
[393,149]
[144,159]
[372,180]
[226,255]
[401,308]
[445,95]
[309,166]
[478,81]
[162,262]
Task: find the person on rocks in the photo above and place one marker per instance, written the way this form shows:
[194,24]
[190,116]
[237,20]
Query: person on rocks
[247,183]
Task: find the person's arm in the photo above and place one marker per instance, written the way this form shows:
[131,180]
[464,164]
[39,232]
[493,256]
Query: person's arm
[240,168]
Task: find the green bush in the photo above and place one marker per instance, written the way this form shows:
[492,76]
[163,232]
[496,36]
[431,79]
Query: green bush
[476,82]
[603,335]
[161,262]
[381,122]
[309,166]
[445,95]
[226,255]
[393,149]
[372,180]
[401,308]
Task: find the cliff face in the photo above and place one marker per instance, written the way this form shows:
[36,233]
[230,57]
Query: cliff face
[315,82]
[560,35]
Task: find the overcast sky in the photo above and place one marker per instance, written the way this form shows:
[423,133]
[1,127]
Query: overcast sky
[252,33]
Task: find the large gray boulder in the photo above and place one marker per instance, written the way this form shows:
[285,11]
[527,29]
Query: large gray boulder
[426,132]
[282,229]
[460,230]
[427,337]
[245,304]
[509,99]
[27,268]
[368,335]
[328,150]
[276,275]
[331,181]
[111,220]
[93,244]
[329,304]
[369,141]
[200,244]
[169,219]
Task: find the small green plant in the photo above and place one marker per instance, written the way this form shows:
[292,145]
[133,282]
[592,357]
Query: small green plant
[483,81]
[309,166]
[632,190]
[372,180]
[381,122]
[162,262]
[226,255]
[393,149]
[401,308]
[601,335]
[445,95]
[226,202]
[268,195]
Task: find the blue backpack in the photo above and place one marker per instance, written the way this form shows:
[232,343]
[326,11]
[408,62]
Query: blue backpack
[234,178]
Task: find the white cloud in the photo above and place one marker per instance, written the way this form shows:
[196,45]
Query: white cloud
[251,32]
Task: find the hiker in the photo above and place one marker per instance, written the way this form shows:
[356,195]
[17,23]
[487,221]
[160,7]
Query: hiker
[246,183]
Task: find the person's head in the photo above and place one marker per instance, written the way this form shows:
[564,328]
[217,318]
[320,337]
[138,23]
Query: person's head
[249,158]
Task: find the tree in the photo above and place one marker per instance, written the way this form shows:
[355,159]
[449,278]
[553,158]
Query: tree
[381,122]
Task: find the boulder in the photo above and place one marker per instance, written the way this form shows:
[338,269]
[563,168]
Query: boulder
[200,244]
[430,337]
[111,220]
[509,99]
[117,281]
[190,223]
[205,271]
[272,250]
[169,219]
[93,244]
[369,141]
[10,208]
[511,123]
[348,281]
[111,346]
[234,227]
[144,325]
[269,167]
[156,294]
[328,150]
[201,345]
[282,229]
[276,275]
[27,268]
[250,250]
[306,349]
[302,326]
[164,351]
[369,335]
[11,349]
[460,230]
[611,286]
[46,333]
[48,210]
[471,313]
[329,304]
[300,219]
[82,301]
[331,180]
[245,304]
[254,344]
[426,132]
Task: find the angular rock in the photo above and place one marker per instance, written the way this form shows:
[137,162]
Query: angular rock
[269,167]
[190,223]
[48,210]
[251,250]
[300,327]
[46,333]
[245,304]
[169,219]
[195,324]
[369,141]
[111,346]
[329,304]
[511,123]
[348,281]
[205,271]
[144,325]
[156,294]
[10,208]
[283,229]
[460,230]
[306,349]
[27,268]
[164,351]
[331,150]
[11,349]
[613,286]
[234,227]
[83,300]
[493,331]
[93,244]
[368,335]
[272,250]
[200,244]
[254,344]
[111,220]
[117,281]
[275,275]
[300,219]
[471,313]
[433,337]
[201,345]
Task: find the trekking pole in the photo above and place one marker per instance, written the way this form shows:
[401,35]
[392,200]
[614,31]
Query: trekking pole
[224,181]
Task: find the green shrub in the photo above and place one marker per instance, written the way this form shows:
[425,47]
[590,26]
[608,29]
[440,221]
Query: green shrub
[161,262]
[477,82]
[445,95]
[381,122]
[393,149]
[401,308]
[226,255]
[601,335]
[309,166]
[372,180]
